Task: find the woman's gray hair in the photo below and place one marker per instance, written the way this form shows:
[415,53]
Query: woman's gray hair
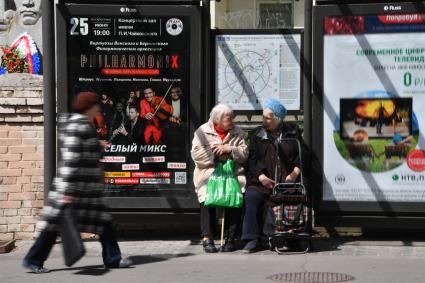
[218,111]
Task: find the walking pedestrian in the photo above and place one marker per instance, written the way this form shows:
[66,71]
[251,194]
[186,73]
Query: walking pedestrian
[79,183]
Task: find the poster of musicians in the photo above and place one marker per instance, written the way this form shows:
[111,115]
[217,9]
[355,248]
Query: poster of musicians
[142,117]
[141,73]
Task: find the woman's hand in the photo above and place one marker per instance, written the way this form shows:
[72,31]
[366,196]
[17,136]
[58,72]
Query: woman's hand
[266,181]
[220,149]
[291,178]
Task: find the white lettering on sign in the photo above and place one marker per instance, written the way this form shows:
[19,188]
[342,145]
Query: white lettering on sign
[151,174]
[113,159]
[153,159]
[125,181]
[154,181]
[176,165]
[130,167]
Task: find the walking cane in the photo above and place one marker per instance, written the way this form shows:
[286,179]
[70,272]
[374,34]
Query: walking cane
[222,229]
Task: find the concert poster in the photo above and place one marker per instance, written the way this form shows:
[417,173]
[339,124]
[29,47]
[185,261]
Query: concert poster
[139,66]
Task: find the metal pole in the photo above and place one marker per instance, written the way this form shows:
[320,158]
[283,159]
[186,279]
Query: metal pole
[207,102]
[307,93]
[49,107]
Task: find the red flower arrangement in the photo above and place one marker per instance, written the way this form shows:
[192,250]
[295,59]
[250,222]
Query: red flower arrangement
[13,61]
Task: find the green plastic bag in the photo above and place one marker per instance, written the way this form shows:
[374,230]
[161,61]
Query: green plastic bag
[223,189]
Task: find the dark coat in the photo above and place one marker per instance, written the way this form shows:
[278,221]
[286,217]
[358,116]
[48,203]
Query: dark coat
[79,174]
[107,112]
[118,119]
[135,135]
[265,159]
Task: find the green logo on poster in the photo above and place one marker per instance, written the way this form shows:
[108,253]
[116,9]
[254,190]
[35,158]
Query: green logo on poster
[407,79]
[395,177]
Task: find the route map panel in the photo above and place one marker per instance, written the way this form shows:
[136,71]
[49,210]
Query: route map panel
[250,68]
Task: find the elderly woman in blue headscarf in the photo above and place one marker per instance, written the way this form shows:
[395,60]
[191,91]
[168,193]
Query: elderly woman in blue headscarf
[269,161]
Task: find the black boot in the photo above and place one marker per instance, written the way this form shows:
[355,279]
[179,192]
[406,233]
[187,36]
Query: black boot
[209,246]
[229,246]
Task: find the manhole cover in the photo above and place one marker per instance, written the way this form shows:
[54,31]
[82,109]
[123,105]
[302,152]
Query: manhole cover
[311,277]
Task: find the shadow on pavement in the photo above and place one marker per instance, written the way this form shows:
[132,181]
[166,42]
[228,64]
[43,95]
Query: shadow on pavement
[99,270]
[329,244]
[146,259]
[95,270]
[375,237]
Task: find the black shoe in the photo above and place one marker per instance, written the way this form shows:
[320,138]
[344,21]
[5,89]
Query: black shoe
[229,246]
[209,246]
[251,246]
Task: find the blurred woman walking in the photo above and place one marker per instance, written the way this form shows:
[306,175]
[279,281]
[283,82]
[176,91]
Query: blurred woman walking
[79,183]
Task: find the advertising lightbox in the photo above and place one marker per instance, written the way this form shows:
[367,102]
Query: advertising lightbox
[144,62]
[372,89]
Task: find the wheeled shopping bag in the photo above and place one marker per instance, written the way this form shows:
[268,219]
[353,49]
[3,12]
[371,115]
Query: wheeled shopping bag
[291,214]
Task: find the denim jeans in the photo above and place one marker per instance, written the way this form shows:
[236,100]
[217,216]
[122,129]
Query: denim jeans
[252,221]
[42,246]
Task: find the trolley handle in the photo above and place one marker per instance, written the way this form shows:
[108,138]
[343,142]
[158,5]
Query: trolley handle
[299,153]
[298,186]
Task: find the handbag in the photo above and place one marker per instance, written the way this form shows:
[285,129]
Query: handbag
[73,247]
[223,189]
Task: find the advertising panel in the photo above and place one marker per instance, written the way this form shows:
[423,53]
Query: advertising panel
[139,64]
[250,68]
[374,101]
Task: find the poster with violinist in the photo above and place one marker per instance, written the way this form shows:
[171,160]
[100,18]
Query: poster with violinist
[139,66]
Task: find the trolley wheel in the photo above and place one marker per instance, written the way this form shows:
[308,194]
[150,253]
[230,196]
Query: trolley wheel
[282,249]
[279,245]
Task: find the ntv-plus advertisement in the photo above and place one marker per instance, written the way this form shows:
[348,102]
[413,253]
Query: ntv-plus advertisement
[374,108]
[139,66]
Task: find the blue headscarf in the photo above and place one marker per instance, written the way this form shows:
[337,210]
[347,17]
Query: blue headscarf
[276,107]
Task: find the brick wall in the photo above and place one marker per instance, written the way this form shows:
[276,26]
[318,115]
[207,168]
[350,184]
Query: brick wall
[21,155]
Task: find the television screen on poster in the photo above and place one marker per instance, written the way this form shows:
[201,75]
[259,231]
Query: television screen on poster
[377,117]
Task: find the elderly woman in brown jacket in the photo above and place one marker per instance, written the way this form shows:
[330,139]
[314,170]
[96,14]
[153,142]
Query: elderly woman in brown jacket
[214,141]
